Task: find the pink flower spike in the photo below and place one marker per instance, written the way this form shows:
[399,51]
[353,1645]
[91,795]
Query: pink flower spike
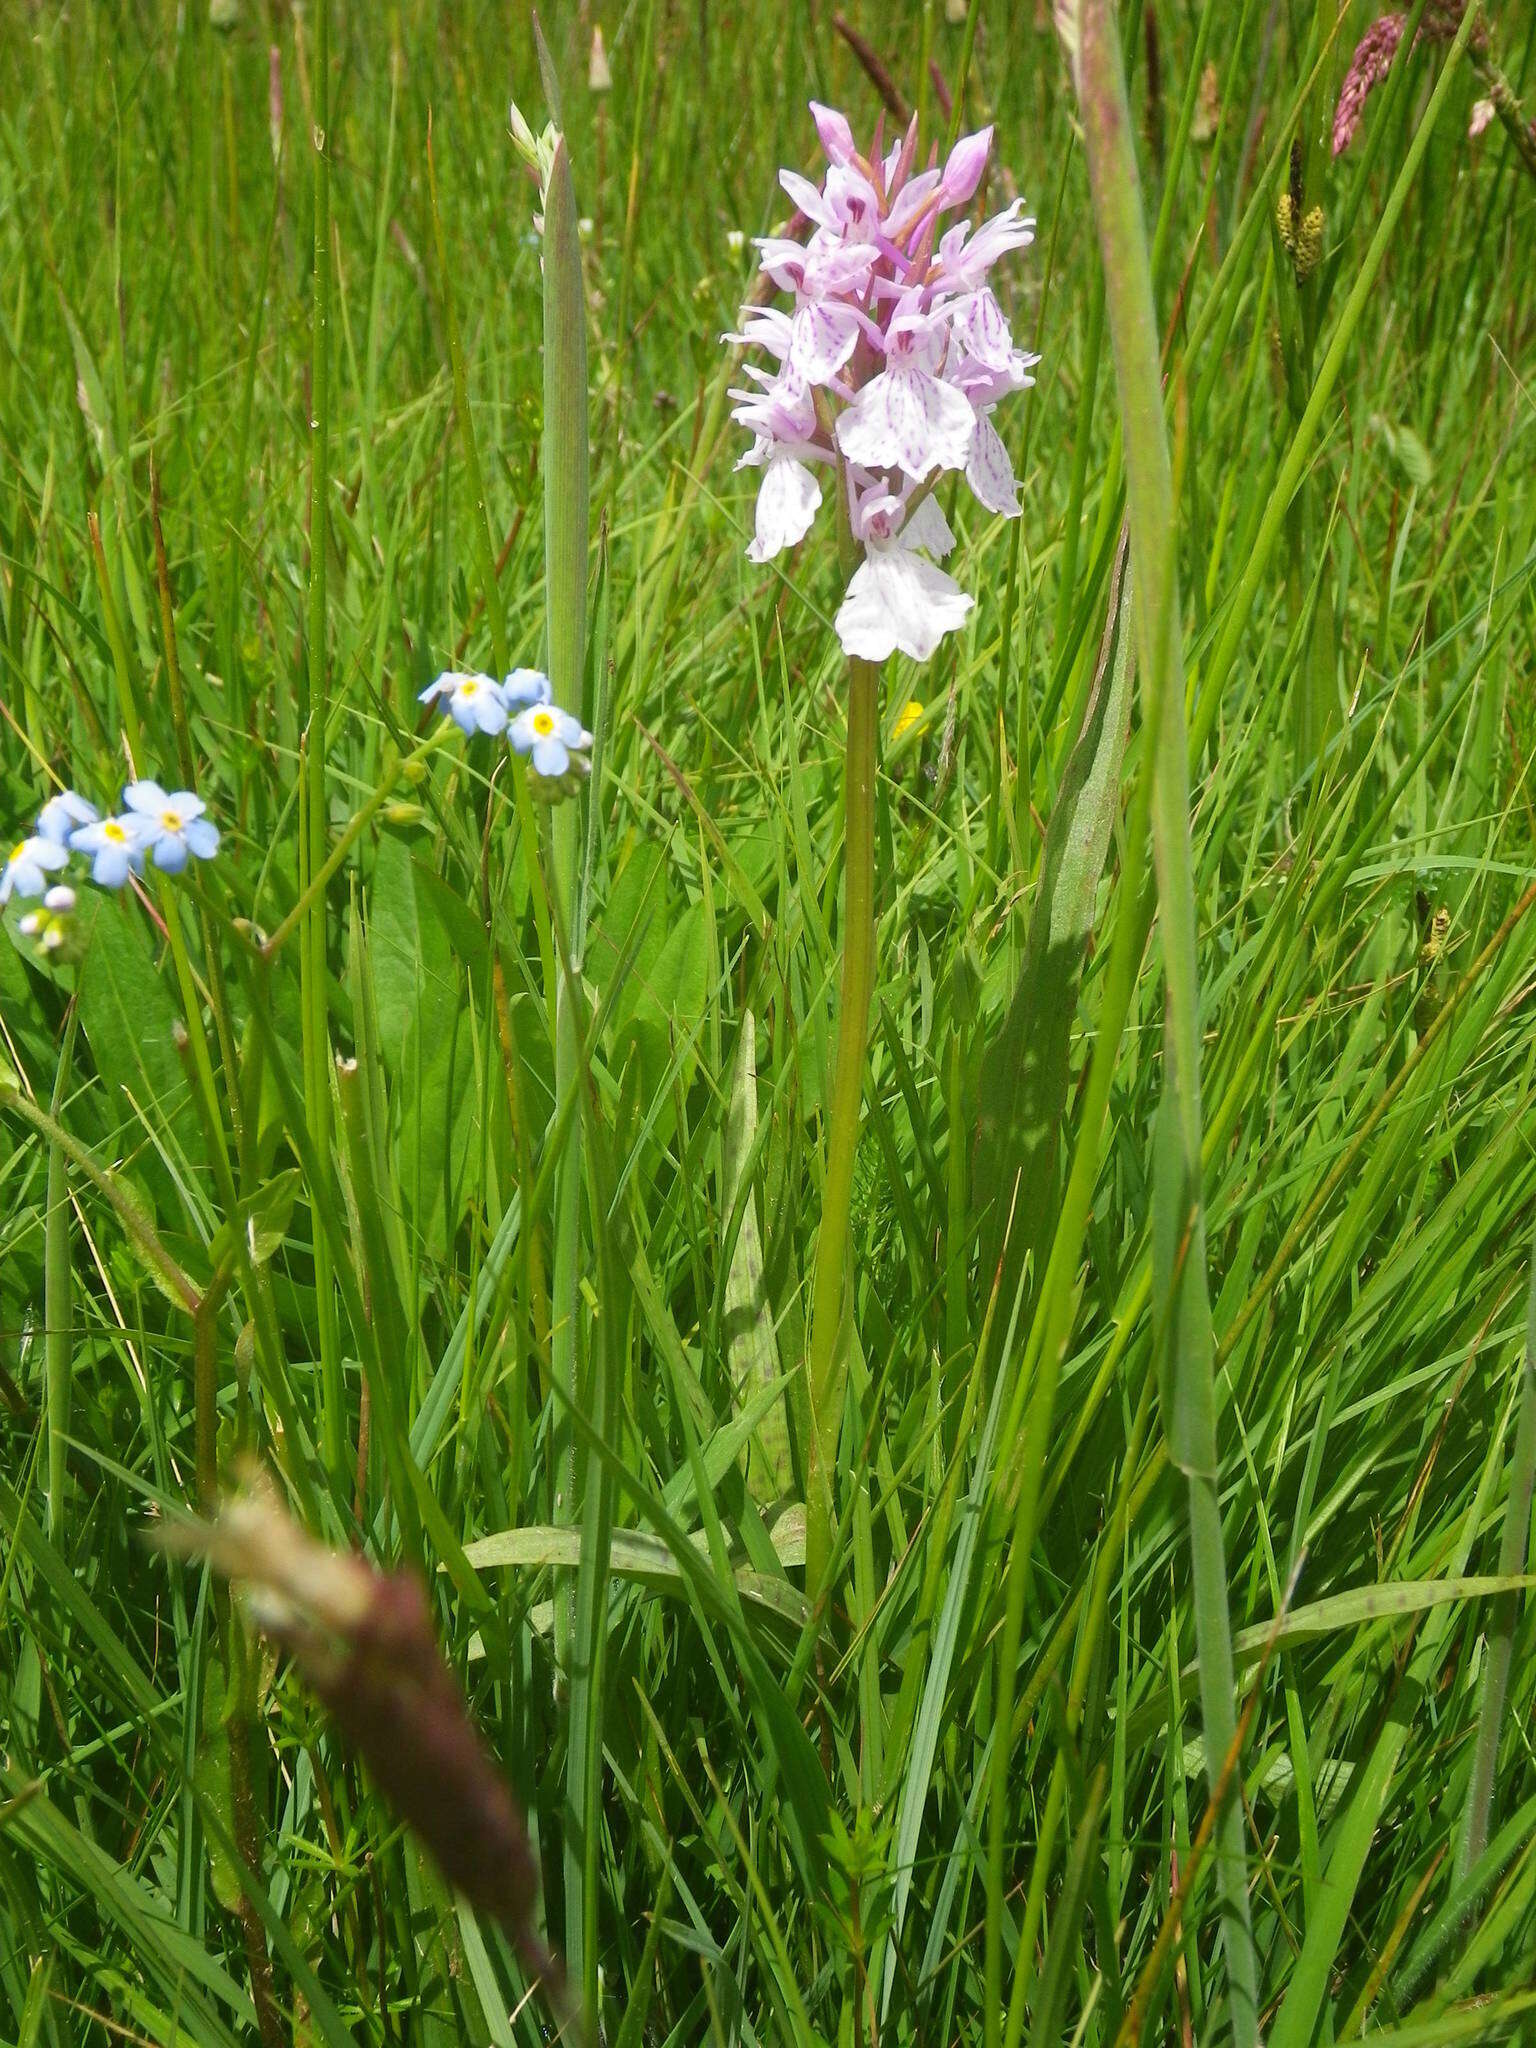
[887,366]
[967,162]
[834,132]
[1367,68]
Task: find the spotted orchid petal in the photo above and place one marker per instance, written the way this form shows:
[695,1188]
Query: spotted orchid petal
[926,527]
[913,202]
[989,472]
[979,329]
[787,500]
[822,338]
[908,420]
[806,196]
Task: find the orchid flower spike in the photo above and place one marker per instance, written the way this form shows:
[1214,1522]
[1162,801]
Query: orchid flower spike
[886,373]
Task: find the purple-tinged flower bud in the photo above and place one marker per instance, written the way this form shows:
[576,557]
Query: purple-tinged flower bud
[967,161]
[835,133]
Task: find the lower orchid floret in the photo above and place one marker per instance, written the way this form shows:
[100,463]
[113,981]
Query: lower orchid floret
[898,601]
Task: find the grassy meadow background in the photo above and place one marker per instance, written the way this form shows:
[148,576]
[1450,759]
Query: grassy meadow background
[754,1828]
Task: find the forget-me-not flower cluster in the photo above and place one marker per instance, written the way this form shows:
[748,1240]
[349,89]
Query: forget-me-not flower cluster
[167,828]
[557,747]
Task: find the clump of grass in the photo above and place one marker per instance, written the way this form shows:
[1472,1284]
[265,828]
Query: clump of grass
[462,1165]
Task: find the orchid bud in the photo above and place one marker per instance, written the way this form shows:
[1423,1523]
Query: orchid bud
[599,77]
[835,132]
[967,161]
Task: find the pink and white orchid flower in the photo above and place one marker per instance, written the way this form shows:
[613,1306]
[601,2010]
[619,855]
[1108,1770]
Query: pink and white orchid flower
[898,601]
[889,368]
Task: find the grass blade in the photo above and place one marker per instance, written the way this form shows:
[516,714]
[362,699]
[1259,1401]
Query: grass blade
[1181,1307]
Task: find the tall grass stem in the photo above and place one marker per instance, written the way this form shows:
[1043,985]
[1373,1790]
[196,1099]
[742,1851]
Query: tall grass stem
[1183,1341]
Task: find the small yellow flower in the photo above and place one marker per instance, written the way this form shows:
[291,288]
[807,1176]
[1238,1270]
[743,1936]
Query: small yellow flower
[906,718]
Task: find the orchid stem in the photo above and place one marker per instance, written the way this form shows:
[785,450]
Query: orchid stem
[827,1356]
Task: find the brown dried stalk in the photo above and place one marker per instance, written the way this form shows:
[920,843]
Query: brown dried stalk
[364,1642]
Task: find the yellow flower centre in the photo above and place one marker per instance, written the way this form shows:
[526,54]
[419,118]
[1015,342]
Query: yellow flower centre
[171,820]
[543,723]
[18,849]
[113,831]
[468,689]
